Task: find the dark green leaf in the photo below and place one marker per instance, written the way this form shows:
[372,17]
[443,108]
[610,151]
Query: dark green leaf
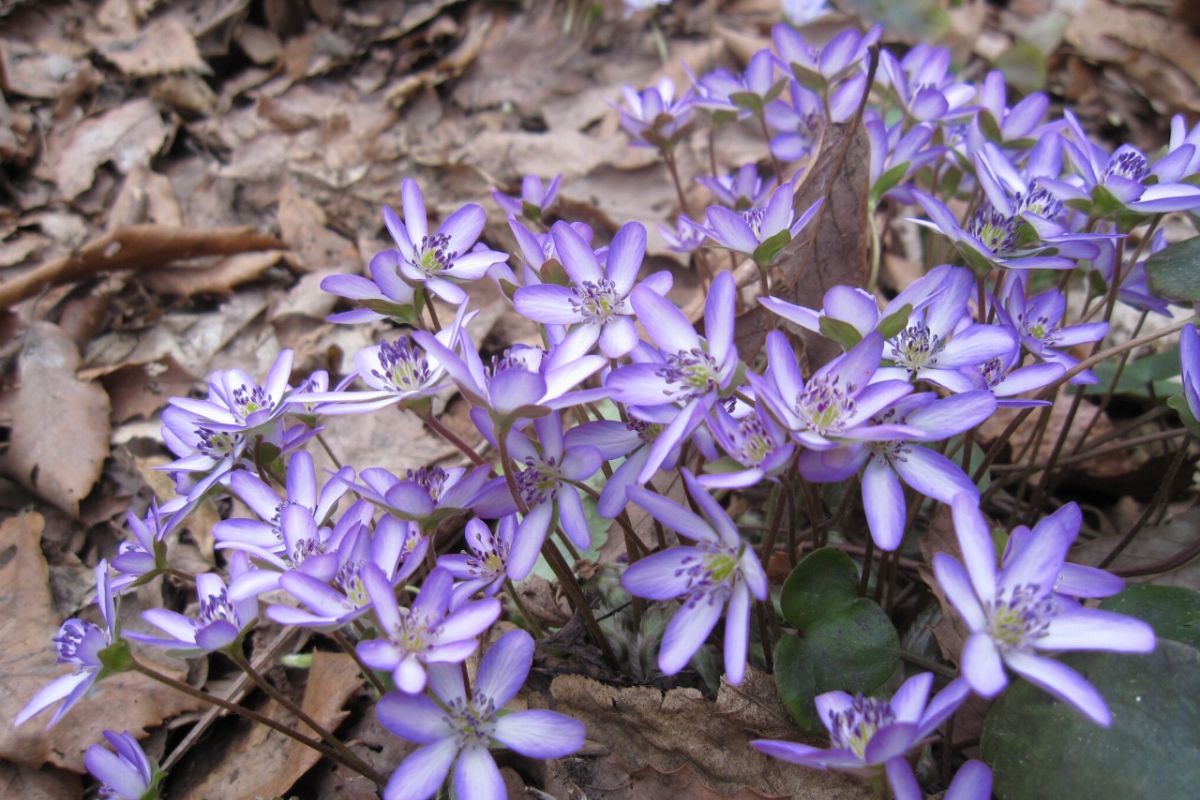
[747,100]
[1179,403]
[854,650]
[887,180]
[796,680]
[1039,747]
[767,252]
[841,332]
[825,582]
[1174,273]
[1173,611]
[895,322]
[1139,377]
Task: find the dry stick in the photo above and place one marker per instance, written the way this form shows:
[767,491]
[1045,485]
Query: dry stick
[261,719]
[1160,497]
[1112,387]
[352,651]
[1165,565]
[1087,455]
[554,558]
[1031,447]
[347,757]
[762,124]
[282,642]
[1051,388]
[135,247]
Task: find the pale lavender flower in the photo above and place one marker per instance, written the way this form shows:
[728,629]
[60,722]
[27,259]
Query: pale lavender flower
[870,736]
[744,94]
[545,476]
[689,371]
[454,730]
[1189,364]
[838,401]
[1077,581]
[799,122]
[146,556]
[596,304]
[1039,322]
[760,233]
[383,295]
[219,623]
[485,567]
[535,197]
[1182,159]
[1006,378]
[738,190]
[897,153]
[756,449]
[922,84]
[1013,613]
[655,117]
[81,644]
[426,495]
[888,466]
[837,69]
[442,260]
[685,237]
[719,573]
[127,773]
[997,122]
[336,593]
[973,781]
[426,633]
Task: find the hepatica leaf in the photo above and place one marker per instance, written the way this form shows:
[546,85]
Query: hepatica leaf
[1173,611]
[1174,272]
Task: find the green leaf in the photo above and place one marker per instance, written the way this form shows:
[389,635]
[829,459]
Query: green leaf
[895,322]
[1039,747]
[747,100]
[1173,611]
[1139,377]
[115,658]
[1024,66]
[1174,273]
[796,679]
[825,582]
[765,254]
[1180,405]
[887,180]
[839,331]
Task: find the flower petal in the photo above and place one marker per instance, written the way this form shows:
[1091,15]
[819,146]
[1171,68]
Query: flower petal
[413,717]
[423,772]
[540,734]
[1063,682]
[477,776]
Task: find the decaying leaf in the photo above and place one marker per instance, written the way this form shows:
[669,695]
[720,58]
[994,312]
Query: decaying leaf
[27,623]
[643,727]
[163,46]
[60,424]
[1089,417]
[138,391]
[218,278]
[37,784]
[315,247]
[260,762]
[128,136]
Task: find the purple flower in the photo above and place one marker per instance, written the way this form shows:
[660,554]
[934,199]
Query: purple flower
[1006,378]
[799,121]
[688,371]
[126,774]
[757,449]
[454,730]
[718,571]
[869,736]
[738,190]
[426,495]
[838,401]
[654,117]
[596,303]
[745,94]
[973,781]
[535,197]
[332,588]
[485,567]
[896,154]
[922,85]
[838,66]
[760,233]
[439,261]
[425,633]
[384,295]
[685,237]
[145,557]
[1182,160]
[1189,364]
[1074,580]
[545,476]
[1004,124]
[1038,320]
[219,623]
[1013,613]
[891,464]
[80,644]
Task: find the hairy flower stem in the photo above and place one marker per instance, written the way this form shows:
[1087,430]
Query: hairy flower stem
[762,125]
[347,757]
[775,505]
[437,325]
[1160,499]
[553,557]
[337,462]
[352,651]
[534,627]
[452,438]
[357,764]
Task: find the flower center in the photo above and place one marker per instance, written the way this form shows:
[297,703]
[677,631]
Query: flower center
[754,218]
[215,444]
[597,301]
[646,431]
[756,442]
[349,580]
[993,371]
[402,364]
[694,370]
[414,630]
[77,639]
[1023,615]
[1129,165]
[1040,202]
[916,346]
[994,231]
[825,405]
[709,574]
[217,608]
[434,254]
[431,479]
[538,482]
[473,722]
[853,727]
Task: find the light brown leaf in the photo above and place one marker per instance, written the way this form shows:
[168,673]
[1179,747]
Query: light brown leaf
[302,227]
[46,72]
[127,701]
[264,763]
[128,135]
[163,46]
[138,391]
[218,278]
[37,784]
[60,424]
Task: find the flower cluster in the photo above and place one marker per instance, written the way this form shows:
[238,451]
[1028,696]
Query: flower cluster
[681,420]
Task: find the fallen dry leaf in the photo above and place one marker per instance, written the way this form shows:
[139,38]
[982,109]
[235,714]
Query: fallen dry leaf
[163,46]
[127,701]
[315,247]
[37,784]
[45,71]
[263,763]
[138,391]
[218,278]
[145,196]
[648,783]
[60,424]
[128,136]
[1111,465]
[1152,545]
[643,727]
[135,247]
